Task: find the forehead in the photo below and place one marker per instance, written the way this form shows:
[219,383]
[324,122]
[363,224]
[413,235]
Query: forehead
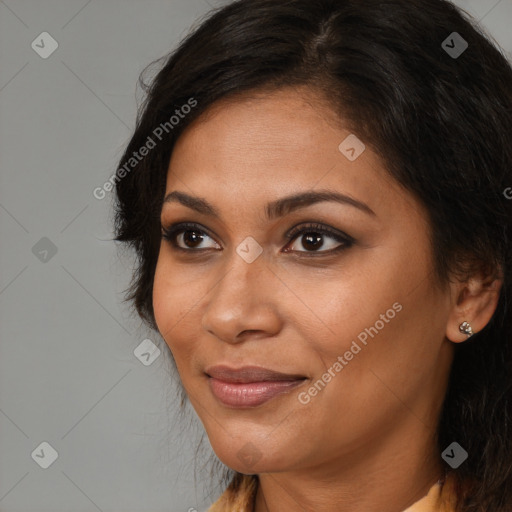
[262,146]
[263,125]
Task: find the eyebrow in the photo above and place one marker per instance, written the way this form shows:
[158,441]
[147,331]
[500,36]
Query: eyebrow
[275,209]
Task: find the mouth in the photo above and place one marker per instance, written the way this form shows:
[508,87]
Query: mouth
[249,386]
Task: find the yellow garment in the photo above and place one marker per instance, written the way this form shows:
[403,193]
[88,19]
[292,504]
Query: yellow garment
[440,498]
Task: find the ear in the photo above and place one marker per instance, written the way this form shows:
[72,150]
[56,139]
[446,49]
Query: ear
[473,301]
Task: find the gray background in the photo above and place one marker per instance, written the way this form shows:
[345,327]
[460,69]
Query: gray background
[68,373]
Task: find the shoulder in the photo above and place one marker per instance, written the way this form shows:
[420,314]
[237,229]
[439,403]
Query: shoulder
[440,498]
[239,495]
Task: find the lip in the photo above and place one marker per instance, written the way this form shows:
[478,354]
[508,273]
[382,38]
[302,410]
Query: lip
[249,386]
[249,374]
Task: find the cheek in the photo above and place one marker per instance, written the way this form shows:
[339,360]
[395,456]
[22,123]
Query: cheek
[168,303]
[174,304]
[377,317]
[161,306]
[351,302]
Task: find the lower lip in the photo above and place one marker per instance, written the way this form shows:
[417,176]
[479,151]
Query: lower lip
[249,394]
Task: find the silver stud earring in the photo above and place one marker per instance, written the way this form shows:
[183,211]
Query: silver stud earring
[465,328]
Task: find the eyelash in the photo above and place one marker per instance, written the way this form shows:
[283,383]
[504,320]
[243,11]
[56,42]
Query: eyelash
[170,233]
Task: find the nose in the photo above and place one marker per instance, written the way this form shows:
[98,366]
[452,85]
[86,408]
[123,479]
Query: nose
[243,302]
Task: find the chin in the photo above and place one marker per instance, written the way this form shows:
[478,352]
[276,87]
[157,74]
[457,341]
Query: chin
[250,456]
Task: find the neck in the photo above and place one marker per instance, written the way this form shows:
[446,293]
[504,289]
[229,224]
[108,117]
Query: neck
[397,474]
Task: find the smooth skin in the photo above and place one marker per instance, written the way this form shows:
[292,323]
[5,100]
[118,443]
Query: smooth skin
[365,442]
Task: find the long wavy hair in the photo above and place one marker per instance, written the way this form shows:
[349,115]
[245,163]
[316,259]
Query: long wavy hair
[441,122]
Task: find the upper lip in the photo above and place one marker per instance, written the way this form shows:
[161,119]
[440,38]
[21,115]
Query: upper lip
[249,374]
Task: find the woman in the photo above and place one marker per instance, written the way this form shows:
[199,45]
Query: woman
[317,196]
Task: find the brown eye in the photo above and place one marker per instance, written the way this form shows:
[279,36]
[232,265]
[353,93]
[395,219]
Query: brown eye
[313,237]
[191,238]
[186,237]
[312,241]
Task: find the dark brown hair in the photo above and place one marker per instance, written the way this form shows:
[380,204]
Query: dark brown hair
[441,122]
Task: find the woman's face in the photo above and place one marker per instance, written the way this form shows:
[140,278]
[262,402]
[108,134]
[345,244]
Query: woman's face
[350,316]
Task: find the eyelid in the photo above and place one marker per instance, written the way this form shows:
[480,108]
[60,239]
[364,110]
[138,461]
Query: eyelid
[312,226]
